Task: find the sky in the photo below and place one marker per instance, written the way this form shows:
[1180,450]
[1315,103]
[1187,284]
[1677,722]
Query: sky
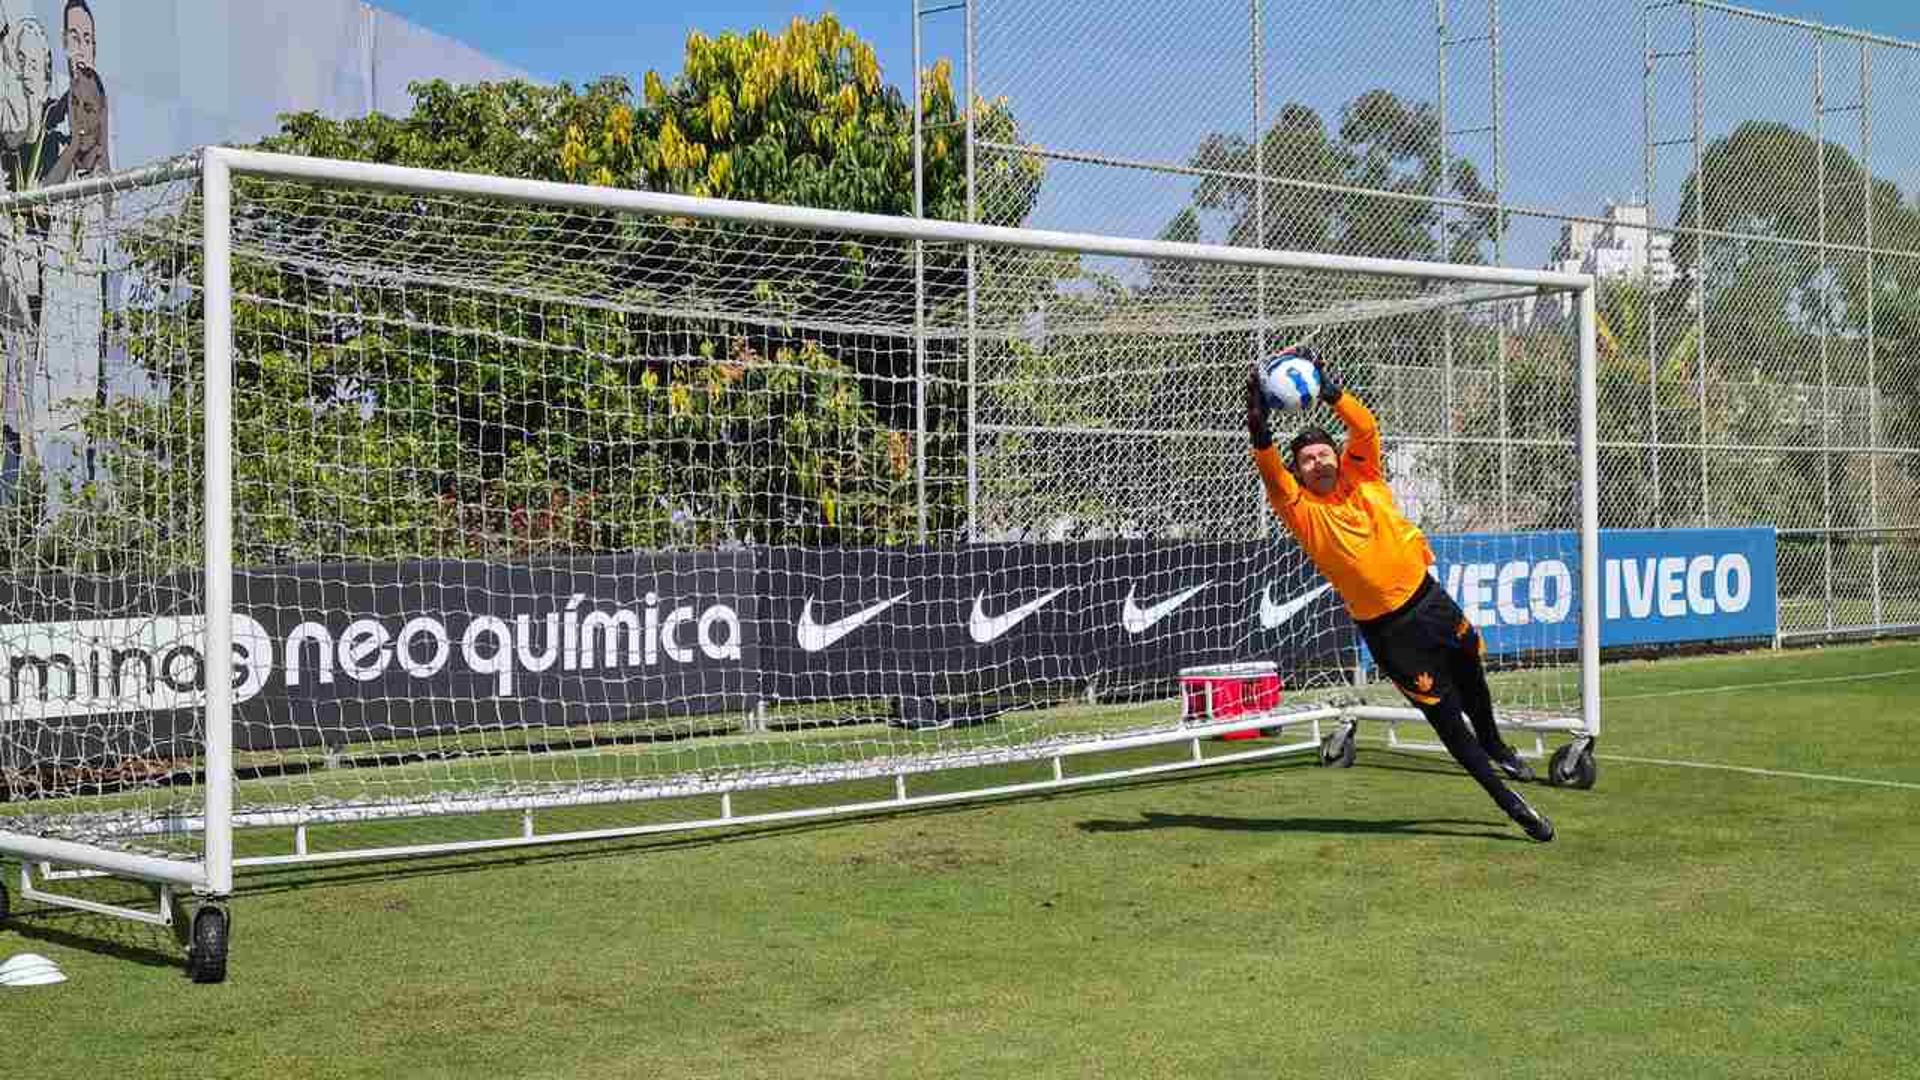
[590,38]
[1573,115]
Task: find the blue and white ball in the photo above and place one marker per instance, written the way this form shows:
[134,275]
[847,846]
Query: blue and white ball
[1289,382]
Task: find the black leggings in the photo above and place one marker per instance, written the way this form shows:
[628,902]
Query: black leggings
[1432,653]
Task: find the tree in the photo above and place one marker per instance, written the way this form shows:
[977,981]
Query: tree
[1764,194]
[467,378]
[1363,190]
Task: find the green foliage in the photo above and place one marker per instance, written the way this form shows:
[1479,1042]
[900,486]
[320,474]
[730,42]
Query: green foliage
[1383,144]
[496,414]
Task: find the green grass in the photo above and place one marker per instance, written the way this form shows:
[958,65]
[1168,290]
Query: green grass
[1280,920]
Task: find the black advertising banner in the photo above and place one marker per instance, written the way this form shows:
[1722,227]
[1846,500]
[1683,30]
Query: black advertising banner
[379,650]
[1024,618]
[330,653]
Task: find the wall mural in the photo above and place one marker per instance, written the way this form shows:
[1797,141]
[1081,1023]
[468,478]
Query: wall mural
[90,85]
[54,128]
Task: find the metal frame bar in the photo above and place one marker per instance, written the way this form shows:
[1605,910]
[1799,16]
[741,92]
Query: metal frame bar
[216,186]
[973,290]
[919,289]
[1589,508]
[1873,300]
[620,200]
[1802,24]
[1651,318]
[1193,735]
[163,916]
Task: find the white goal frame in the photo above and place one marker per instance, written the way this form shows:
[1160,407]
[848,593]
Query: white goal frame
[211,877]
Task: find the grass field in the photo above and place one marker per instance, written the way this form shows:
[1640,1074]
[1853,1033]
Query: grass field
[1280,920]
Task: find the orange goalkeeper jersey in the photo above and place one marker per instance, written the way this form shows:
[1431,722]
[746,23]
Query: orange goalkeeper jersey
[1371,553]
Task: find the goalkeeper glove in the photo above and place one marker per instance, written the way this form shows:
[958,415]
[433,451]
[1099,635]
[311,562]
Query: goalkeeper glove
[1257,431]
[1330,388]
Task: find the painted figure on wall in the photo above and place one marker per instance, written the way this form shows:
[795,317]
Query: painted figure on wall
[77,122]
[52,269]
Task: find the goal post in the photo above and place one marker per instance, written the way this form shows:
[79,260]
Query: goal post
[360,511]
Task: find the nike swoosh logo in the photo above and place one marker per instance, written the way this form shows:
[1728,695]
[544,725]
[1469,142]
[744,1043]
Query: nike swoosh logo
[813,637]
[985,628]
[1272,614]
[1138,620]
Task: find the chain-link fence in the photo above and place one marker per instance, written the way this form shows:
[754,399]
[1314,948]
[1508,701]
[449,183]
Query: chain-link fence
[1744,184]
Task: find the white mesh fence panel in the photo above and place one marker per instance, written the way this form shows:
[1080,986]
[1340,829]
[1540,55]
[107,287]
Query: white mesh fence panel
[1741,183]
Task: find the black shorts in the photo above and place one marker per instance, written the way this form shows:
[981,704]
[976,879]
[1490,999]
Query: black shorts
[1421,645]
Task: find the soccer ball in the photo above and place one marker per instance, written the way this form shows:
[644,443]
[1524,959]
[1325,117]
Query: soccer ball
[1289,382]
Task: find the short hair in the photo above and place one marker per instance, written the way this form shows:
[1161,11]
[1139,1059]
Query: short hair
[66,13]
[1308,438]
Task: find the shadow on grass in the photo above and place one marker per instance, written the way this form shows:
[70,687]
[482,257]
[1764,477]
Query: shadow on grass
[1359,826]
[117,939]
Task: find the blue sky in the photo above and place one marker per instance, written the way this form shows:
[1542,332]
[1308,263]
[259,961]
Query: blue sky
[1573,112]
[579,40]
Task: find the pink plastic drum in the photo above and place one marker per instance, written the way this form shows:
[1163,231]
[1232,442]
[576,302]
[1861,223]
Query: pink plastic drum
[1223,691]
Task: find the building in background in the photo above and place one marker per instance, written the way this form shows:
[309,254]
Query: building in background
[87,86]
[1617,245]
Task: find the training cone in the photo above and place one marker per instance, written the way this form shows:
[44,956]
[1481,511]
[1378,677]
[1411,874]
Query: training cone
[30,969]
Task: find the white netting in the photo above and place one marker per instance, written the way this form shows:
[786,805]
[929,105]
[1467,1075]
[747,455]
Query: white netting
[535,502]
[102,563]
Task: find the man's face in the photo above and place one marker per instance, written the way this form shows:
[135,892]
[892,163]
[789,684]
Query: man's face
[86,123]
[1317,467]
[80,38]
[34,62]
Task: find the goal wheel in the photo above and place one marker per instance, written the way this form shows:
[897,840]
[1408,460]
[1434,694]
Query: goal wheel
[5,904]
[1573,766]
[1338,750]
[207,946]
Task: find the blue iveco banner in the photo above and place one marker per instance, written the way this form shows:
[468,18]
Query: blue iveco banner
[1656,586]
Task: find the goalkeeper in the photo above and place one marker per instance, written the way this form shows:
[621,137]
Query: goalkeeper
[1337,503]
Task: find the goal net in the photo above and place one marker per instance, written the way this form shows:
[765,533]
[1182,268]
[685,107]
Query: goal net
[610,505]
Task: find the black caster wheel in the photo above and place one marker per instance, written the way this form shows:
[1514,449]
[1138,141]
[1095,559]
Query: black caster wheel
[1573,766]
[1338,750]
[207,944]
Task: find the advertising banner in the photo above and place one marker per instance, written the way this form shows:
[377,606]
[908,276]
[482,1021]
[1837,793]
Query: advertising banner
[1657,586]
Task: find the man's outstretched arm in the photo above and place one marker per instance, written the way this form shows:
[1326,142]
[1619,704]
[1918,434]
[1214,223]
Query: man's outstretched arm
[1362,452]
[1283,491]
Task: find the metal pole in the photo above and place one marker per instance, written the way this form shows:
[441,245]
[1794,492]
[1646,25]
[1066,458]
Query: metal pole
[1259,174]
[1700,284]
[1826,367]
[1440,240]
[216,193]
[633,201]
[1651,316]
[918,180]
[973,299]
[1589,510]
[1500,258]
[1264,523]
[1873,374]
[919,297]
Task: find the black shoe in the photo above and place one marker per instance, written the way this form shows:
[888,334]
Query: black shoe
[1514,766]
[1535,822]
